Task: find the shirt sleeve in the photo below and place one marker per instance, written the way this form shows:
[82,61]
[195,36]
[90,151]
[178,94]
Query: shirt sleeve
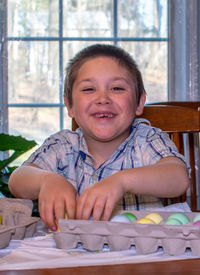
[158,145]
[52,154]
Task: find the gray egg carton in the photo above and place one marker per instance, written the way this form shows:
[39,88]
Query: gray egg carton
[147,238]
[17,222]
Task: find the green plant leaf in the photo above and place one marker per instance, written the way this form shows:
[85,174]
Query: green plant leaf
[19,146]
[5,162]
[16,143]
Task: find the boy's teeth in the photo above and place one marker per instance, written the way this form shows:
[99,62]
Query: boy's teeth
[104,115]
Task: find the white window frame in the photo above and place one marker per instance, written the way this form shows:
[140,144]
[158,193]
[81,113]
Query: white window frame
[183,55]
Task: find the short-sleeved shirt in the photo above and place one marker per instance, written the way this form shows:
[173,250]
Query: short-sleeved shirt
[66,153]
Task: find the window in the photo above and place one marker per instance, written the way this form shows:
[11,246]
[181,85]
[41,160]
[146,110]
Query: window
[43,35]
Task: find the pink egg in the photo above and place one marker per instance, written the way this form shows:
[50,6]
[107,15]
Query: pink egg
[197,223]
[196,218]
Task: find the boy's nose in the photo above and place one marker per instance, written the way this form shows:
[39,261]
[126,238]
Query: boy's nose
[103,97]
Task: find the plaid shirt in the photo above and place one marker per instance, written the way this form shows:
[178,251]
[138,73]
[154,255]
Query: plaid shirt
[66,153]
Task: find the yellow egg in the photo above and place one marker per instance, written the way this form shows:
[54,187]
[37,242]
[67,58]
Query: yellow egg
[0,220]
[157,218]
[58,228]
[146,220]
[66,217]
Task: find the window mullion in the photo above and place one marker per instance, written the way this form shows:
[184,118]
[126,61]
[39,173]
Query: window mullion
[61,63]
[3,69]
[115,21]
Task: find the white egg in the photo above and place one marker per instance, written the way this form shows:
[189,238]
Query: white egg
[120,218]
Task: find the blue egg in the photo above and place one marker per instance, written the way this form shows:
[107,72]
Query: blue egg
[120,218]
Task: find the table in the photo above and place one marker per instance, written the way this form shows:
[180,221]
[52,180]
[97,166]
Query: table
[183,267]
[40,255]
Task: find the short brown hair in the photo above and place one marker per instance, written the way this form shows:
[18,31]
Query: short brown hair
[107,50]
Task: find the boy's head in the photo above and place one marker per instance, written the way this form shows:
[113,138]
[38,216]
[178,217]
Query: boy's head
[97,50]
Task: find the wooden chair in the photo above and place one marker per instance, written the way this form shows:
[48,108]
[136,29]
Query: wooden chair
[178,122]
[188,104]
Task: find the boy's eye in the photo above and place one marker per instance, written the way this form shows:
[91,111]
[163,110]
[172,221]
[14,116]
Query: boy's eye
[88,89]
[118,89]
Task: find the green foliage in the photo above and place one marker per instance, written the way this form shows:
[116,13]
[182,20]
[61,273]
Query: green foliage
[18,146]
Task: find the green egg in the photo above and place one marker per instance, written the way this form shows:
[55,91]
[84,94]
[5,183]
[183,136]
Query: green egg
[180,216]
[130,215]
[173,221]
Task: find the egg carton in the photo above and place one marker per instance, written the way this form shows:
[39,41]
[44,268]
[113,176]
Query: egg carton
[16,220]
[147,238]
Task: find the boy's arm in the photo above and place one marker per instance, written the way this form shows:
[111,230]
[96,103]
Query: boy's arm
[26,181]
[55,194]
[167,178]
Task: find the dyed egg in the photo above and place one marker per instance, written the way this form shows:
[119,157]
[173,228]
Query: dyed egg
[173,221]
[197,223]
[57,227]
[196,218]
[145,221]
[130,215]
[157,218]
[180,216]
[120,218]
[66,217]
[0,220]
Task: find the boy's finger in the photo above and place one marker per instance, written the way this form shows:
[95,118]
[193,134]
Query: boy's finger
[47,215]
[85,206]
[70,209]
[98,209]
[79,206]
[59,210]
[109,205]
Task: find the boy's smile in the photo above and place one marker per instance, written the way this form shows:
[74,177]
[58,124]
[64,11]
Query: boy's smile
[104,101]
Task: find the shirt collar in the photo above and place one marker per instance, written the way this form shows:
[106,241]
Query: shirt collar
[83,149]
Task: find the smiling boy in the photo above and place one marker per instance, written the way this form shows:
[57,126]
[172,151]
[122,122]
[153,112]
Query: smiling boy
[112,160]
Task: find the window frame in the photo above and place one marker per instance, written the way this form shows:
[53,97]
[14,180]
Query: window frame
[3,70]
[4,105]
[184,50]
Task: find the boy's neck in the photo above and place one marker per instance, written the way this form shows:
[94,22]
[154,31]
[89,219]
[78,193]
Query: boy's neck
[101,151]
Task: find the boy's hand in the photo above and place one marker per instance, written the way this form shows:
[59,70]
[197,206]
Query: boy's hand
[56,197]
[100,199]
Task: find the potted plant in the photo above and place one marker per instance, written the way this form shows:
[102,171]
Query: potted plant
[16,145]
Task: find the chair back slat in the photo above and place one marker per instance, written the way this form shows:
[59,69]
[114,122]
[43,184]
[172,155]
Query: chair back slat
[178,140]
[193,173]
[188,104]
[174,118]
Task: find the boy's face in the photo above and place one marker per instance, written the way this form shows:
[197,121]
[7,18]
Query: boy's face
[104,100]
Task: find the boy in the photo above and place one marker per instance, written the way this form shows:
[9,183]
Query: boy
[112,159]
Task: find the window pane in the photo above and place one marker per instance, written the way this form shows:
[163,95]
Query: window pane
[152,62]
[33,72]
[67,120]
[87,18]
[142,18]
[33,123]
[32,18]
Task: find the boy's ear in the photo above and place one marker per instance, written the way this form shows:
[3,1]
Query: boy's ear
[69,109]
[140,107]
